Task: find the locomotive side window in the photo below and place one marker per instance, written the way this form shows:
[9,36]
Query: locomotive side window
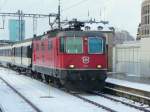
[37,47]
[95,45]
[42,46]
[49,45]
[74,45]
[62,44]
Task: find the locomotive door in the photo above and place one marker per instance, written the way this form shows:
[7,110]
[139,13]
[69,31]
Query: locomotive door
[55,55]
[13,55]
[21,51]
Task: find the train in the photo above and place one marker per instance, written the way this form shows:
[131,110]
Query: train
[72,58]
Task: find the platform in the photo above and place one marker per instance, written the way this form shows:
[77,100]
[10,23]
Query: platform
[131,81]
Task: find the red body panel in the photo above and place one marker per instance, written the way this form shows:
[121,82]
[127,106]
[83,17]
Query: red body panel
[77,60]
[53,58]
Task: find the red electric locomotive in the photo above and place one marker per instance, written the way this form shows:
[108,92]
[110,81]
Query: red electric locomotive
[75,59]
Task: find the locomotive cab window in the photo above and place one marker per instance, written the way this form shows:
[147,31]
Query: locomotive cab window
[95,45]
[74,45]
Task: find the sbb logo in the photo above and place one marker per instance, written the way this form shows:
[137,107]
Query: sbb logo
[85,59]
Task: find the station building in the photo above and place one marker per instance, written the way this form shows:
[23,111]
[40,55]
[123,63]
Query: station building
[144,26]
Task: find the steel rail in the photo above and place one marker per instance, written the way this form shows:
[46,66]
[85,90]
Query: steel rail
[94,103]
[127,92]
[23,97]
[125,103]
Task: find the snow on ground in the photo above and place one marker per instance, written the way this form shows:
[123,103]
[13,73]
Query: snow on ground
[50,99]
[111,104]
[11,102]
[37,92]
[139,86]
[130,102]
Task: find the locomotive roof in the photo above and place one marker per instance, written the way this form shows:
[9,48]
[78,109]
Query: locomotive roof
[52,34]
[80,33]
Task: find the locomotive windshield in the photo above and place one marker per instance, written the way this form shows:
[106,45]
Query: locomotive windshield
[74,45]
[95,45]
[71,45]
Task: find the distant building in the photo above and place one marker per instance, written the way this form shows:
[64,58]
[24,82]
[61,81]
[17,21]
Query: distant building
[122,36]
[16,30]
[144,26]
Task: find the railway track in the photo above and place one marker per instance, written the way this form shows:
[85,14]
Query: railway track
[93,103]
[129,93]
[109,98]
[1,109]
[125,103]
[34,107]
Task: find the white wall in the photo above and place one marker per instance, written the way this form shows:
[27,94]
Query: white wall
[132,58]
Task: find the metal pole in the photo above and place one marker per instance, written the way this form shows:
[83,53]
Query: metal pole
[34,25]
[19,25]
[59,26]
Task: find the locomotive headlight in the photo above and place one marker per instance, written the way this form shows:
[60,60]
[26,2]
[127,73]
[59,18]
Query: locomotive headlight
[71,66]
[99,66]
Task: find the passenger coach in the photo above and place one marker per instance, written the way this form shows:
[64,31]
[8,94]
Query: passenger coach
[22,54]
[6,54]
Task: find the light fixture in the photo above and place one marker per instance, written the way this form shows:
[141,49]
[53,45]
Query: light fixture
[99,66]
[71,66]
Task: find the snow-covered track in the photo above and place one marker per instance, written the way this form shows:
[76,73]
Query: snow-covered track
[23,97]
[127,92]
[1,108]
[125,103]
[93,103]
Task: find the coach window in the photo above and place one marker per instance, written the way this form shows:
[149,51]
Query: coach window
[29,51]
[5,52]
[49,45]
[74,45]
[8,52]
[24,52]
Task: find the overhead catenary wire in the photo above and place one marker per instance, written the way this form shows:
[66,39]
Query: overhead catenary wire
[74,5]
[103,5]
[2,5]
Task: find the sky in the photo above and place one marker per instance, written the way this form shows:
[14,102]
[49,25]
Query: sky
[122,14]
